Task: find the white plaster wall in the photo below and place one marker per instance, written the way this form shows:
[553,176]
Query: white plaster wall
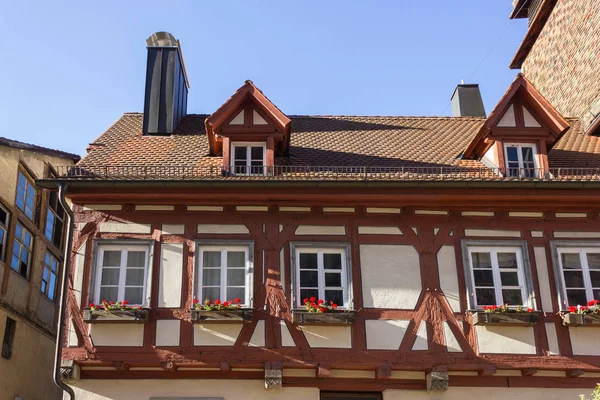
[421,340]
[258,336]
[577,235]
[73,342]
[252,208]
[505,339]
[487,393]
[339,209]
[144,207]
[391,276]
[205,208]
[223,229]
[385,334]
[144,389]
[286,336]
[173,229]
[584,341]
[451,343]
[130,227]
[216,334]
[328,336]
[103,207]
[508,119]
[167,332]
[541,263]
[171,275]
[78,273]
[320,230]
[490,156]
[117,334]
[491,233]
[530,121]
[446,259]
[295,209]
[552,339]
[379,230]
[525,214]
[379,210]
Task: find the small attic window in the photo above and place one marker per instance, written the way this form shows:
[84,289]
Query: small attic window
[521,160]
[248,158]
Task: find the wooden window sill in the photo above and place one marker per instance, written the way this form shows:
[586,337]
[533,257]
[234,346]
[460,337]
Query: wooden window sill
[345,317]
[116,316]
[505,319]
[587,320]
[243,315]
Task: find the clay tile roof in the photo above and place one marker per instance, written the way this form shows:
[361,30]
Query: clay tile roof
[331,141]
[38,149]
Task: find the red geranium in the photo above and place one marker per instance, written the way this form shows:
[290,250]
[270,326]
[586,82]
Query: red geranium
[312,299]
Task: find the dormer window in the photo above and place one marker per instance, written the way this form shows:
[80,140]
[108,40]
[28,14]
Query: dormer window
[520,160]
[248,158]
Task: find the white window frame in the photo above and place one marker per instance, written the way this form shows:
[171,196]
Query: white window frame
[581,248]
[519,146]
[224,248]
[320,249]
[124,248]
[523,270]
[248,146]
[4,229]
[51,272]
[21,245]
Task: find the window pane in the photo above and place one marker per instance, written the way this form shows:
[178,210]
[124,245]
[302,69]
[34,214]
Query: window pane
[308,260]
[485,296]
[211,277]
[337,296]
[309,279]
[256,152]
[49,225]
[110,276]
[597,294]
[236,259]
[19,231]
[512,297]
[576,297]
[52,286]
[512,153]
[240,153]
[43,287]
[593,260]
[46,274]
[481,260]
[332,261]
[527,154]
[507,260]
[574,279]
[234,293]
[483,277]
[134,277]
[211,259]
[211,294]
[308,293]
[134,295]
[333,280]
[27,239]
[111,259]
[595,277]
[509,278]
[570,260]
[3,216]
[136,259]
[236,277]
[109,293]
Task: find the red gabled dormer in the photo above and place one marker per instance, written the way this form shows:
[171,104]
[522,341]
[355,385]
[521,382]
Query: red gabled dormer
[517,135]
[248,131]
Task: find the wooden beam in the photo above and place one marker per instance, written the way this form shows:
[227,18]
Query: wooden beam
[323,370]
[383,371]
[574,373]
[529,371]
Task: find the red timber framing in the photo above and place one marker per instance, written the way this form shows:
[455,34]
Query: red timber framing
[237,120]
[521,96]
[273,230]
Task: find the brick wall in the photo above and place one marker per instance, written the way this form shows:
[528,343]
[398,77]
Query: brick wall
[564,63]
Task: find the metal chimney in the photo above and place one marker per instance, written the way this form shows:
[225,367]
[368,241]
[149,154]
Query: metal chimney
[467,102]
[165,100]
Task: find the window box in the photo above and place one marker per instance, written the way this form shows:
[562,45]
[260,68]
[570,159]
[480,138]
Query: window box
[243,315]
[116,316]
[302,317]
[505,319]
[572,319]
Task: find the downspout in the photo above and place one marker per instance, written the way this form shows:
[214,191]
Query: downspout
[62,188]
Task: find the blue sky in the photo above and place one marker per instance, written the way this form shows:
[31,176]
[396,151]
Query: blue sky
[69,69]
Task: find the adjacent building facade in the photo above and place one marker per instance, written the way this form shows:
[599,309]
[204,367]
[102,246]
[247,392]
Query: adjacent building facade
[560,55]
[412,226]
[31,254]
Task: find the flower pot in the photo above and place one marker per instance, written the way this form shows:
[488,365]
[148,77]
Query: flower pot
[116,316]
[574,319]
[505,319]
[243,315]
[301,317]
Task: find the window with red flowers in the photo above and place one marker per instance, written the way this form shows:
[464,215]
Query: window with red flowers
[321,272]
[577,268]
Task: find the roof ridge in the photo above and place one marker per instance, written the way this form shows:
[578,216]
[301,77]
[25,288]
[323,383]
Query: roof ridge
[41,149]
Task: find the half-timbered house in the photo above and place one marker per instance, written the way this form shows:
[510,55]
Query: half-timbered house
[419,229]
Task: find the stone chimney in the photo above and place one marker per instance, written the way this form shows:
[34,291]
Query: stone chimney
[467,102]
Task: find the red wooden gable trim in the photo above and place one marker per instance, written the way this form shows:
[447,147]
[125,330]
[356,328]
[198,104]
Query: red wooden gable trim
[248,93]
[520,93]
